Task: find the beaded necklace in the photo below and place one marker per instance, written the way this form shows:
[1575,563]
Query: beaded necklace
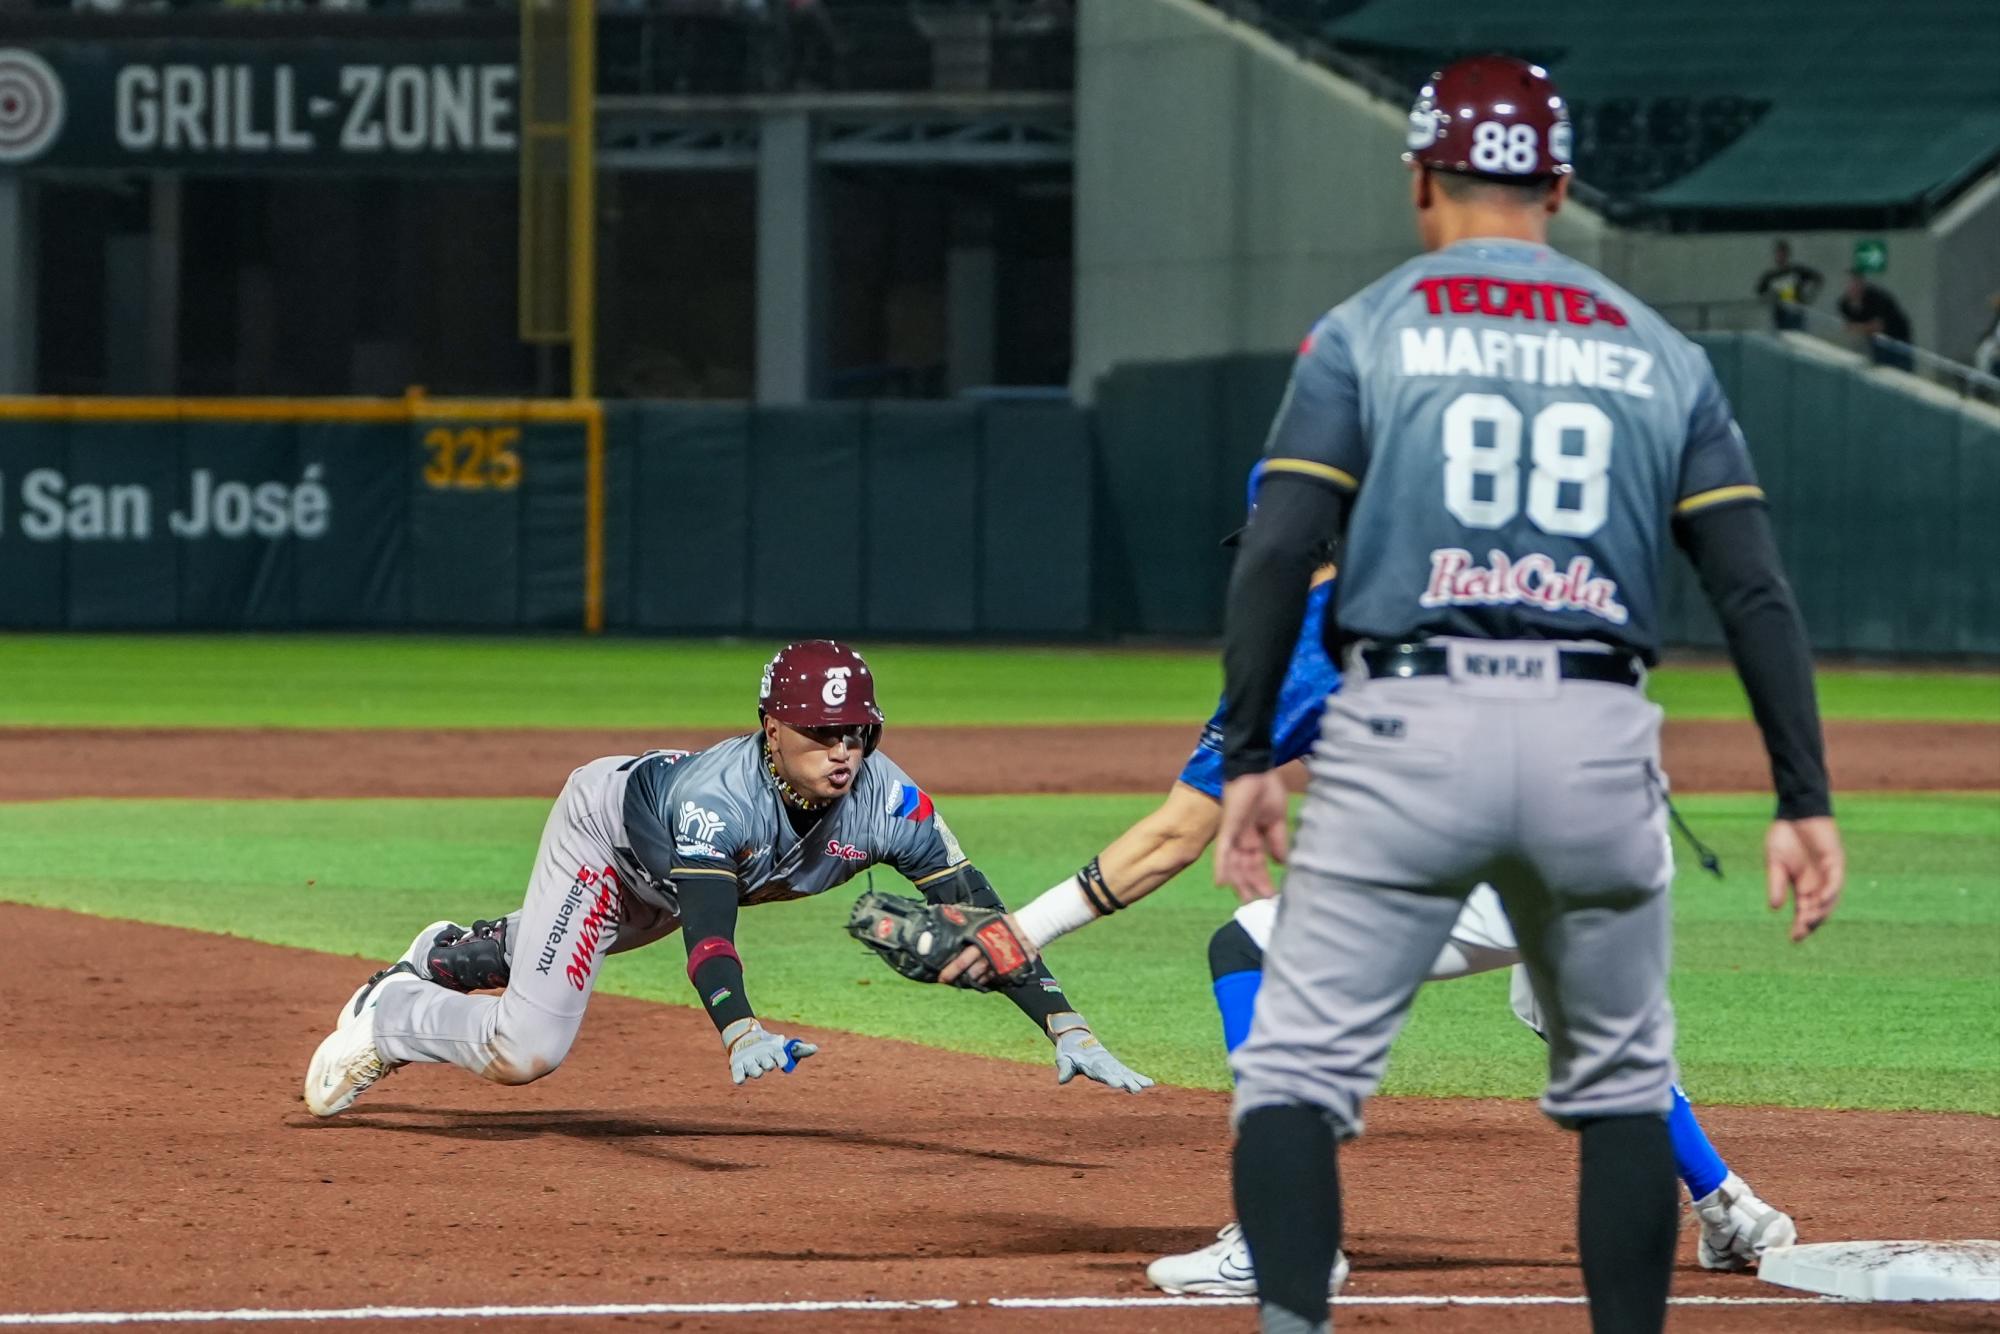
[797,799]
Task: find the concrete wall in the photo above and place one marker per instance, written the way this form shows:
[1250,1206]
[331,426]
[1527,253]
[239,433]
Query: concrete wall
[1968,267]
[1708,280]
[1227,192]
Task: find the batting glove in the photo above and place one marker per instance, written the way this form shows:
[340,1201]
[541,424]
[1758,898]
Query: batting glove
[1079,1052]
[753,1049]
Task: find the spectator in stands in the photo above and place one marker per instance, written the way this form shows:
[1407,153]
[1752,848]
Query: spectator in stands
[1788,286]
[1875,315]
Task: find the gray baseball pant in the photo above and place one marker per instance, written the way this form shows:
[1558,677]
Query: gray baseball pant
[1548,789]
[579,908]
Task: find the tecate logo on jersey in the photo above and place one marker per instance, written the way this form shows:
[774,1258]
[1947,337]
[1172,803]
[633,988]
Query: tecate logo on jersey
[1533,580]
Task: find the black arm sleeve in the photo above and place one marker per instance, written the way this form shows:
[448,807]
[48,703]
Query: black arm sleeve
[1295,515]
[1039,997]
[1732,547]
[708,913]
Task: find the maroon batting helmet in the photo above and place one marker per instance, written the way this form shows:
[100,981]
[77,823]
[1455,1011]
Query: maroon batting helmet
[820,683]
[1491,116]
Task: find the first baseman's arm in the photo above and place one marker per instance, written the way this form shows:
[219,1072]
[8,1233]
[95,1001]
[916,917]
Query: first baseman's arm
[1040,996]
[1155,850]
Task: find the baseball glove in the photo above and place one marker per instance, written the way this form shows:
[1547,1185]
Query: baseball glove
[918,939]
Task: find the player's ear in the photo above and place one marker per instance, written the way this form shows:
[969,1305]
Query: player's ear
[1420,186]
[1558,195]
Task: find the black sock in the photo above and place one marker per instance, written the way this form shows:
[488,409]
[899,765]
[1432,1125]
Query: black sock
[1628,1209]
[1288,1200]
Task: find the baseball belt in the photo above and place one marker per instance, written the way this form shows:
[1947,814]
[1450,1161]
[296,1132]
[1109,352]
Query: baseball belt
[1406,660]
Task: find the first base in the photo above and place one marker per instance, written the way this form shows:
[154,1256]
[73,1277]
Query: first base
[1889,1271]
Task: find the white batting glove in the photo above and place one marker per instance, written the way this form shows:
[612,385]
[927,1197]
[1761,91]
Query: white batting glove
[753,1049]
[1079,1052]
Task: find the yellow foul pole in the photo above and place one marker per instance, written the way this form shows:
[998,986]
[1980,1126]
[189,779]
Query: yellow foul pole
[582,197]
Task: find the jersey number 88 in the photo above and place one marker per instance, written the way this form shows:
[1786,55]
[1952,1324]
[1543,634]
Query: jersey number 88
[1498,461]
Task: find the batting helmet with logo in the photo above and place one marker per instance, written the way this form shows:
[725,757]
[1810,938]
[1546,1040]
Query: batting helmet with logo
[1491,116]
[819,683]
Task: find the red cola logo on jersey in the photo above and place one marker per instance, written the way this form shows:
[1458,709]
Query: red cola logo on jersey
[1507,300]
[597,924]
[1533,580]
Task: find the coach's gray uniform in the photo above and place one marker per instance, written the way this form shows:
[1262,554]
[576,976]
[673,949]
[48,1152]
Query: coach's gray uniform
[1519,432]
[711,813]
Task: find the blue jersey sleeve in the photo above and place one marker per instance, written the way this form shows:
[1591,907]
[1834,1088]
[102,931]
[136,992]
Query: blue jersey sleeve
[1309,679]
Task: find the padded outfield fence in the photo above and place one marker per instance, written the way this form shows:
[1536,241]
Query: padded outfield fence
[1004,518]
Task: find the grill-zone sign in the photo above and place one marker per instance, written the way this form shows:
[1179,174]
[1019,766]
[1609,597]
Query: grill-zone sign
[278,104]
[379,109]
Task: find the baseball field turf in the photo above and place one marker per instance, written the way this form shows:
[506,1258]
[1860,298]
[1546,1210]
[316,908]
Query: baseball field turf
[387,681]
[1892,1006]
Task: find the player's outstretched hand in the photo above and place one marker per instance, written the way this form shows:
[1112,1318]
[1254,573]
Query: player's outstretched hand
[1079,1052]
[1252,835]
[1805,857]
[753,1049]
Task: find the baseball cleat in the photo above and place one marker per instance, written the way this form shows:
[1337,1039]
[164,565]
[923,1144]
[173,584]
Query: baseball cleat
[1737,1227]
[1222,1269]
[347,1064]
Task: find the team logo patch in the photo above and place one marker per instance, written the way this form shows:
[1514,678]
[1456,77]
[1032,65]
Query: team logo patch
[699,825]
[910,802]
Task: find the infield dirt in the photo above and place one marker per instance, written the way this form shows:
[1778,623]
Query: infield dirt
[155,1155]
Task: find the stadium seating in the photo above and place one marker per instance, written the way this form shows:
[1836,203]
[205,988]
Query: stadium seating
[1717,104]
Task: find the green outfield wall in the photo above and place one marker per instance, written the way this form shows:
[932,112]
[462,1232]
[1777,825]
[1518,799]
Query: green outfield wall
[1015,519]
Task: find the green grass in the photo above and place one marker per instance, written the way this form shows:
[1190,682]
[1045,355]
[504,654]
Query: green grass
[1894,1005]
[383,681]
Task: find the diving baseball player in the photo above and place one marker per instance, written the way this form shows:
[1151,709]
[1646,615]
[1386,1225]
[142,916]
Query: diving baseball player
[641,846]
[1501,440]
[1736,1226]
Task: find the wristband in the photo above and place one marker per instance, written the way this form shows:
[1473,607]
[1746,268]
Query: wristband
[1056,912]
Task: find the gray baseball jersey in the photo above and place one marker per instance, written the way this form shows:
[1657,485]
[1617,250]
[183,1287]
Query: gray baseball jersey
[716,813]
[1519,432]
[625,829]
[1526,430]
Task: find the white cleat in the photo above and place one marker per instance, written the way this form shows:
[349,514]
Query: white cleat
[1221,1269]
[347,1064]
[1737,1227]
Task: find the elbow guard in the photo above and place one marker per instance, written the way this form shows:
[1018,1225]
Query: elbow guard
[969,886]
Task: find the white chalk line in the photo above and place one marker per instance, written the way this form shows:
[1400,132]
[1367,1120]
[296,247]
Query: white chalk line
[262,1315]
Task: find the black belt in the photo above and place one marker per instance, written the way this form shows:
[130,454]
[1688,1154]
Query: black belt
[1619,669]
